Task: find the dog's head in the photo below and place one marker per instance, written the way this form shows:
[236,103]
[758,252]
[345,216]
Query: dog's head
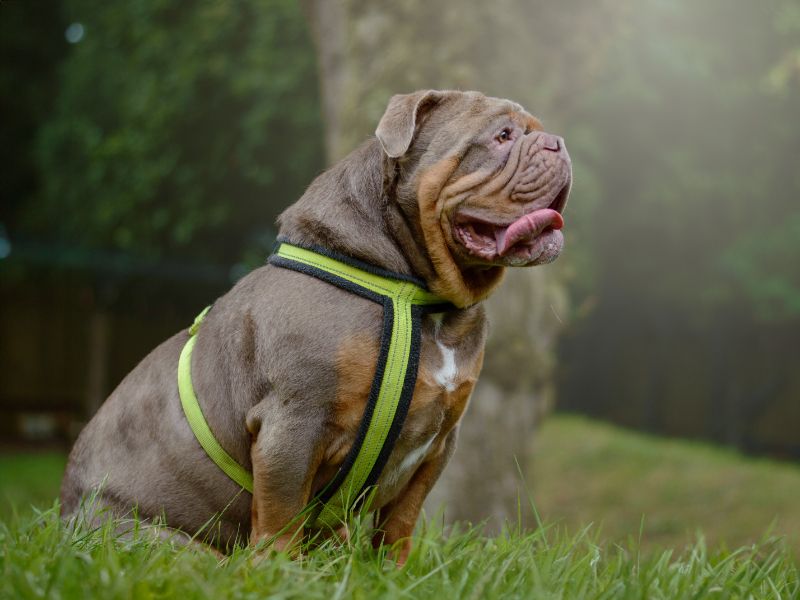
[483,181]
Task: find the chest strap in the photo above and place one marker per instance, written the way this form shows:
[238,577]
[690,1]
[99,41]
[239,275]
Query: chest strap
[404,300]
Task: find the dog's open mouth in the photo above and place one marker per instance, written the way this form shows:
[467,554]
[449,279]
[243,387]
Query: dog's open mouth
[533,238]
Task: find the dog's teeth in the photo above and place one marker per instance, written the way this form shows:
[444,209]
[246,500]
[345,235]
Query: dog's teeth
[499,238]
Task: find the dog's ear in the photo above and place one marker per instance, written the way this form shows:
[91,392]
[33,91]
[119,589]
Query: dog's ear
[398,124]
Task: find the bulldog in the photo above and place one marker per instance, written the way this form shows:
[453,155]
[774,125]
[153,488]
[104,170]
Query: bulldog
[453,188]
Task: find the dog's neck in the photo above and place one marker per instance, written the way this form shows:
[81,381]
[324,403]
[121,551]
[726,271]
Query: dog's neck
[345,210]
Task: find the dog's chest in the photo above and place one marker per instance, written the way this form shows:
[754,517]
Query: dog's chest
[448,368]
[449,362]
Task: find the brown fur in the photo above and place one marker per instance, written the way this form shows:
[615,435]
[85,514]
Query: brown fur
[355,368]
[462,286]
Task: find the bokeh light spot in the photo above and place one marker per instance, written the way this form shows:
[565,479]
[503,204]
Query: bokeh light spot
[74,33]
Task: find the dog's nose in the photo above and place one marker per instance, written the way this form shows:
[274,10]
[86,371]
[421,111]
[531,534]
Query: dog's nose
[550,142]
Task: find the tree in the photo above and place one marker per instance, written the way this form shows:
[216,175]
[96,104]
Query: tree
[31,43]
[369,51]
[178,130]
[163,137]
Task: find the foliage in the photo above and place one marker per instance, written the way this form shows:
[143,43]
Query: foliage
[765,268]
[42,557]
[695,156]
[687,282]
[183,130]
[178,129]
[31,43]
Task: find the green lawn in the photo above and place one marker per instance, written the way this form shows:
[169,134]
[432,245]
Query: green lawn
[29,479]
[40,558]
[585,473]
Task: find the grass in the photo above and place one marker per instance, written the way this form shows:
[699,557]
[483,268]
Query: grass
[29,480]
[588,472]
[40,557]
[584,472]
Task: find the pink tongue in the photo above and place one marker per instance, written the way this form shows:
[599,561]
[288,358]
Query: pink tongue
[527,227]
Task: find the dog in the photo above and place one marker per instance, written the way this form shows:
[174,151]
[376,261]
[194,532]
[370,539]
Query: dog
[453,188]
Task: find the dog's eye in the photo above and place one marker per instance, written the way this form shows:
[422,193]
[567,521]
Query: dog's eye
[504,135]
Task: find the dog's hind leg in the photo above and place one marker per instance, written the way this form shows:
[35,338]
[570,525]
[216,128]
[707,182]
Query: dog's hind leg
[98,512]
[284,461]
[147,530]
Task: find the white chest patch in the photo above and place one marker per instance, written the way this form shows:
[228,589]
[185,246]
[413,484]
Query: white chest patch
[415,456]
[410,461]
[445,375]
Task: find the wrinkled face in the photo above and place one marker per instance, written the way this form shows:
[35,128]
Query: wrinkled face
[502,204]
[481,183]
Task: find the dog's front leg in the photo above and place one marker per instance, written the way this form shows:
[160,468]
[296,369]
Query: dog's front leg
[286,452]
[394,523]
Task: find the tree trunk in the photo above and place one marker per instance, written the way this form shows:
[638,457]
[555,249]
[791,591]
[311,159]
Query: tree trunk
[368,51]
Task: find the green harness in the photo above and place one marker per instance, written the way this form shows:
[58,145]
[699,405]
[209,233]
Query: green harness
[404,300]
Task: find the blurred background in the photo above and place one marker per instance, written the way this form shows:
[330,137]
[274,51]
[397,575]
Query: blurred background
[148,146]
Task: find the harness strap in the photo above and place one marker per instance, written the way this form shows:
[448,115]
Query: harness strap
[404,300]
[194,415]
